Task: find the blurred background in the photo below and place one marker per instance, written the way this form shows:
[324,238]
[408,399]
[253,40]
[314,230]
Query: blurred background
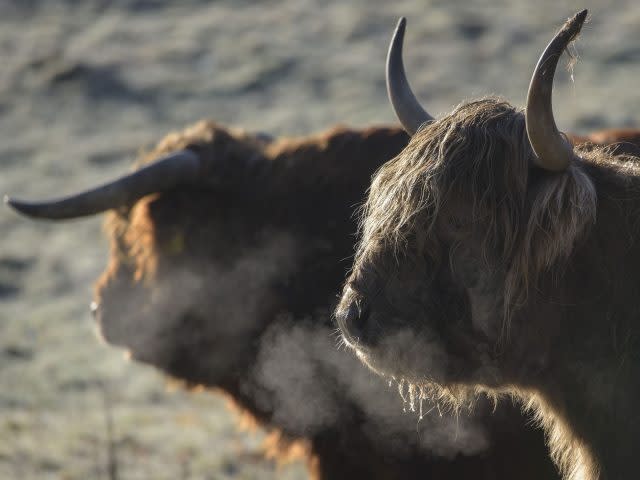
[84,85]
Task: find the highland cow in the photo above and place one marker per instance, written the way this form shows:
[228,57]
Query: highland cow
[226,277]
[496,256]
[226,254]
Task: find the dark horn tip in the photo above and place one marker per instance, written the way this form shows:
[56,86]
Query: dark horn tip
[582,15]
[11,202]
[574,24]
[28,209]
[400,28]
[20,207]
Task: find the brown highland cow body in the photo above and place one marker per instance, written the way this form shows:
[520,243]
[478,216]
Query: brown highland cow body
[228,285]
[496,256]
[221,282]
[305,189]
[226,282]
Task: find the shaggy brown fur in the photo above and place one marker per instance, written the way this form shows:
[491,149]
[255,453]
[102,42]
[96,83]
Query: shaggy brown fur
[476,271]
[231,286]
[619,140]
[410,190]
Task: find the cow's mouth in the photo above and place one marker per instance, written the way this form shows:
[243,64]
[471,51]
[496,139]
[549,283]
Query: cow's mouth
[435,352]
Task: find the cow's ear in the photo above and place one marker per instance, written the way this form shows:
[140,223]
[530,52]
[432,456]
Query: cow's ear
[561,210]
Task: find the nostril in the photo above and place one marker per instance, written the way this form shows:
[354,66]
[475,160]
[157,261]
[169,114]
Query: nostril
[355,320]
[94,309]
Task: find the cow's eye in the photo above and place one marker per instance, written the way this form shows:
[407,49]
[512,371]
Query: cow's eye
[456,223]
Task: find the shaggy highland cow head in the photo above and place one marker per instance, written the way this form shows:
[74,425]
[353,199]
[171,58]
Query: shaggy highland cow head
[195,270]
[198,272]
[458,227]
[220,233]
[197,260]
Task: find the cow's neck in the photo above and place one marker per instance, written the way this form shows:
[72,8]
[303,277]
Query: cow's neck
[592,381]
[598,406]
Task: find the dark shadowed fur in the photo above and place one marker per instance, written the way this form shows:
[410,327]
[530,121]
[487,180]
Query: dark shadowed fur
[231,285]
[479,272]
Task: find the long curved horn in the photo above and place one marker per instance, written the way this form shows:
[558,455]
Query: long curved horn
[177,168]
[553,151]
[404,102]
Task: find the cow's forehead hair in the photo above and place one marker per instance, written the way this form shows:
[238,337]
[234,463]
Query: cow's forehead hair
[441,156]
[478,158]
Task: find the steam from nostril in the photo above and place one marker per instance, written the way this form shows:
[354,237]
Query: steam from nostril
[294,371]
[309,385]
